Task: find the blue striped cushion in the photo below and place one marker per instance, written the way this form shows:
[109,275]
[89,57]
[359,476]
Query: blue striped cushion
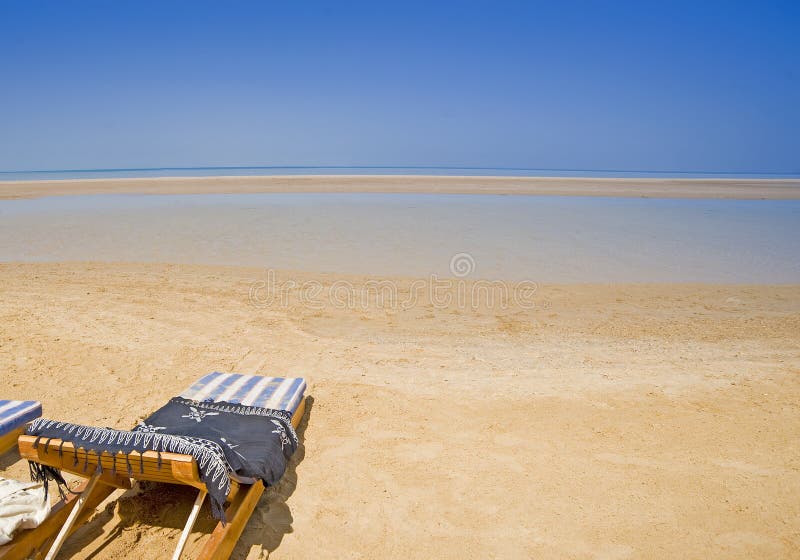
[281,393]
[14,414]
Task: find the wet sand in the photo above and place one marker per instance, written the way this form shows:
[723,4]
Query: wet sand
[609,421]
[776,189]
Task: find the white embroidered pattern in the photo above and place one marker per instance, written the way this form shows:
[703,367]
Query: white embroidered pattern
[198,415]
[147,428]
[281,431]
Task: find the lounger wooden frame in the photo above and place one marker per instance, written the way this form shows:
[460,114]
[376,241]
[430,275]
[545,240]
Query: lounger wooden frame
[67,515]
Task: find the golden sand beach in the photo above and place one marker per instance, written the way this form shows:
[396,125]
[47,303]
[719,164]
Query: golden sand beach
[608,421]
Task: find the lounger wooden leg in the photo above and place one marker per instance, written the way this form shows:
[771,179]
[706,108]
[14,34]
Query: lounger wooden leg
[224,537]
[73,516]
[187,530]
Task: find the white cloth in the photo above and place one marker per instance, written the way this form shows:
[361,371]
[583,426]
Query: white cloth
[23,505]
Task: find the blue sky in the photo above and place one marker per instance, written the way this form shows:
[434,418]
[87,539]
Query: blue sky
[584,85]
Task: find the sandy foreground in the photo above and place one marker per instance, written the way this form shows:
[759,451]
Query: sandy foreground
[624,421]
[563,186]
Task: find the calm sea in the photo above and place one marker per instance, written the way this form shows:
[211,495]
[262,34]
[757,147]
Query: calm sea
[370,170]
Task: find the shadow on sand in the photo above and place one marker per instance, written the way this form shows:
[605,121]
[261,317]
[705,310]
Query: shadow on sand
[12,456]
[272,518]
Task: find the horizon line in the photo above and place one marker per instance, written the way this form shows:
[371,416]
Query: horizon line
[408,167]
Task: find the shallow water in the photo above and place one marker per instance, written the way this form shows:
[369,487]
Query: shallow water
[540,238]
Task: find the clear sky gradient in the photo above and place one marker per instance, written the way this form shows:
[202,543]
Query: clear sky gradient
[702,86]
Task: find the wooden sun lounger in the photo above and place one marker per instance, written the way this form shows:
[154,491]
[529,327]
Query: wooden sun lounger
[174,468]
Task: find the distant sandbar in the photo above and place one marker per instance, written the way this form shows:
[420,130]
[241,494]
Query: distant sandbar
[746,189]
